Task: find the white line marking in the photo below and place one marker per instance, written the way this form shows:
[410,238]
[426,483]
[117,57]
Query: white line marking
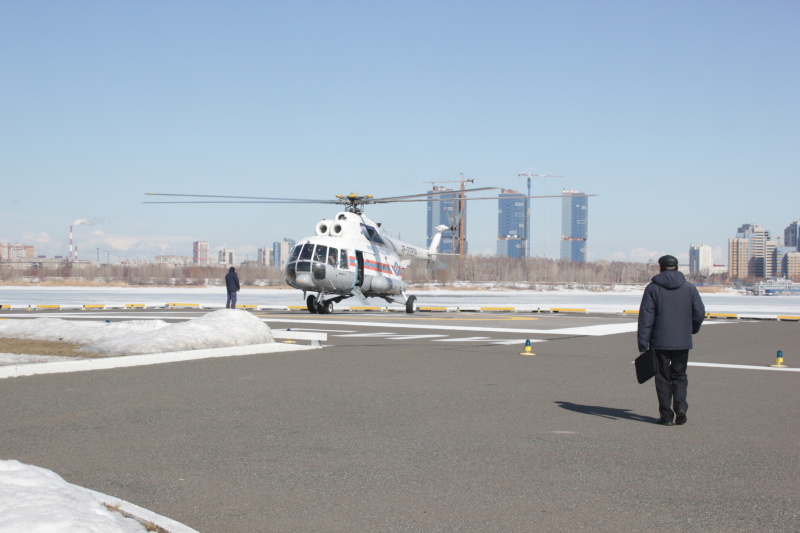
[744,367]
[412,337]
[464,339]
[364,335]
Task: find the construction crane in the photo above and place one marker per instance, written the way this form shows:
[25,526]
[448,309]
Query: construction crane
[527,233]
[458,223]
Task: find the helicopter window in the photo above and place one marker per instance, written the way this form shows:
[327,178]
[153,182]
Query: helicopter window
[295,253]
[320,254]
[371,234]
[344,262]
[308,248]
[303,266]
[333,256]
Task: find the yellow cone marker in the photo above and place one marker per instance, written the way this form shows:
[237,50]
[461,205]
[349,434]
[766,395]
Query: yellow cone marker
[527,348]
[779,361]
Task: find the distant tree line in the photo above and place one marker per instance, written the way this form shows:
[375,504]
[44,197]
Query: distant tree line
[447,270]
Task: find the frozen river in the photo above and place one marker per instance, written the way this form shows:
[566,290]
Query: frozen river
[626,298]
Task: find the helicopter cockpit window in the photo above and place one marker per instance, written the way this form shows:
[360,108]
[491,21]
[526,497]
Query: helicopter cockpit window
[344,262]
[308,248]
[321,254]
[371,234]
[333,257]
[295,253]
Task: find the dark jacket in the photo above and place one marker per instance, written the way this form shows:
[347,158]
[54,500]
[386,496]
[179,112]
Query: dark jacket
[232,281]
[671,311]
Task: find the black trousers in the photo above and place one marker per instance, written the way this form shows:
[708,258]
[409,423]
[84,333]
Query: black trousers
[671,381]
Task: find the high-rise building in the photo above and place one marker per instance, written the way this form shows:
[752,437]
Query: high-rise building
[281,251]
[442,210]
[791,235]
[200,253]
[700,260]
[760,250]
[11,252]
[511,224]
[227,257]
[264,257]
[738,257]
[791,266]
[574,225]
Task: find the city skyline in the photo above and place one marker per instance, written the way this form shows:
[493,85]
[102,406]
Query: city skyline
[678,116]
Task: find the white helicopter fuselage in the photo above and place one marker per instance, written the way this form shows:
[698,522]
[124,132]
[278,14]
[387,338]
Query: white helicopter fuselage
[349,256]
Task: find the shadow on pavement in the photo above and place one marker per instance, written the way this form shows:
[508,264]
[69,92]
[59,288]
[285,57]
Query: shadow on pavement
[606,412]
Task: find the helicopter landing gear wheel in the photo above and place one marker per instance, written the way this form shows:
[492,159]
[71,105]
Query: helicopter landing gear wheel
[411,304]
[311,304]
[325,308]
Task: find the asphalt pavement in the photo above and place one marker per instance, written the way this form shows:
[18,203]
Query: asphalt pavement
[432,423]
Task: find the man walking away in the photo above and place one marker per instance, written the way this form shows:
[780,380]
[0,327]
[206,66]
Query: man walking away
[232,284]
[670,313]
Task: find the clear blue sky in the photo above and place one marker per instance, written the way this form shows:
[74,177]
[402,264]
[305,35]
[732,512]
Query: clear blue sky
[681,115]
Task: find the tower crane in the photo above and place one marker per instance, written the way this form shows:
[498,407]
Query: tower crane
[530,175]
[459,225]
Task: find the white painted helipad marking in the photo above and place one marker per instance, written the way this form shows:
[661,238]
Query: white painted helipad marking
[364,335]
[744,367]
[518,341]
[610,329]
[412,337]
[464,339]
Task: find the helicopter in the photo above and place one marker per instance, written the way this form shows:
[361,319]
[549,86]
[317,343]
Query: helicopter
[348,256]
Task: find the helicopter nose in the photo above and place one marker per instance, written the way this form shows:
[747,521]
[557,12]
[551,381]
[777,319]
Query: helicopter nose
[305,281]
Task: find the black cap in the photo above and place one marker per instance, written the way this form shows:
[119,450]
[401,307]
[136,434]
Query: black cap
[667,261]
[231,269]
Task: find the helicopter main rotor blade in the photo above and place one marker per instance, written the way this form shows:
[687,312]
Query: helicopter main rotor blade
[246,202]
[244,197]
[432,193]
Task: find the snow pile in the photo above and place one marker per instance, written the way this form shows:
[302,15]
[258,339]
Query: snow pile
[36,500]
[226,327]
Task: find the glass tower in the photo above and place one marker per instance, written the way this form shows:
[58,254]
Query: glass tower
[511,224]
[442,211]
[574,225]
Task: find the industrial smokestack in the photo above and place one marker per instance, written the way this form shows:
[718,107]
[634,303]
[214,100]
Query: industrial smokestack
[70,244]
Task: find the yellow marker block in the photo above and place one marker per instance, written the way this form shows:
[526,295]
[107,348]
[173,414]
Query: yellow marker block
[134,306]
[247,306]
[499,309]
[94,306]
[173,305]
[367,308]
[566,310]
[787,317]
[434,309]
[630,312]
[721,315]
[298,308]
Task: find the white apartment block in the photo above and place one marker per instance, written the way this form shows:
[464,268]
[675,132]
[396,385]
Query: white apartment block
[227,257]
[700,260]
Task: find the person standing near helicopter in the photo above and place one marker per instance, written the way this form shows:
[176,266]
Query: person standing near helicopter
[232,285]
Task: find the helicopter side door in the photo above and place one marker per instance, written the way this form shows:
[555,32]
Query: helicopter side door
[359,268]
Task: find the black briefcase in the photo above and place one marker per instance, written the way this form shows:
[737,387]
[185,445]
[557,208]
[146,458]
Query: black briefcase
[645,365]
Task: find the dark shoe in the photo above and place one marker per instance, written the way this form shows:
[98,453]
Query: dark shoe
[663,422]
[680,418]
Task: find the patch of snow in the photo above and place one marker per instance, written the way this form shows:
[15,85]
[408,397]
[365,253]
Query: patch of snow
[36,500]
[218,329]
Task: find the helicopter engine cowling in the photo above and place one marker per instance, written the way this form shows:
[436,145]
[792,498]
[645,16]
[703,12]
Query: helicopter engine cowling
[323,228]
[384,285]
[337,229]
